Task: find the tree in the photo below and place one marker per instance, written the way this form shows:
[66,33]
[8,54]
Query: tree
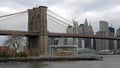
[15,42]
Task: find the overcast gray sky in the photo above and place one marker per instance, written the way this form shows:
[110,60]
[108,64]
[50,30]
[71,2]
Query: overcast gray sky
[93,10]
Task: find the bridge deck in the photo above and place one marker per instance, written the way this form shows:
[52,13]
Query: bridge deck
[26,33]
[82,36]
[19,33]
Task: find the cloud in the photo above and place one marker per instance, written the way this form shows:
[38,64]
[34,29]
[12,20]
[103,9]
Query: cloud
[4,10]
[93,10]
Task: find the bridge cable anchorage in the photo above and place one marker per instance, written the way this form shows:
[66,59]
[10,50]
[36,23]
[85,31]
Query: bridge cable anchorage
[57,22]
[58,19]
[12,14]
[59,16]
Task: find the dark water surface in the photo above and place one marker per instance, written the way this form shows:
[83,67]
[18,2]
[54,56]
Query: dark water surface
[110,61]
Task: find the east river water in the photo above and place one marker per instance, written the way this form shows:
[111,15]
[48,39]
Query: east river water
[109,61]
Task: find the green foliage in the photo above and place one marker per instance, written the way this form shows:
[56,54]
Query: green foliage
[4,55]
[21,54]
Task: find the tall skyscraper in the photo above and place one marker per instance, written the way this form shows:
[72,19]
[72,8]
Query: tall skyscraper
[69,41]
[118,35]
[69,29]
[111,32]
[80,40]
[85,29]
[75,31]
[103,26]
[91,32]
[100,43]
[81,29]
[88,31]
[94,44]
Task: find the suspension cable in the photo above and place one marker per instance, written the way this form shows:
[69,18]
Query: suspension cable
[57,22]
[58,19]
[59,15]
[12,14]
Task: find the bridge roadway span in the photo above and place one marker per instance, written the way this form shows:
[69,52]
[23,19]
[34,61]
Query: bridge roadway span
[19,33]
[27,33]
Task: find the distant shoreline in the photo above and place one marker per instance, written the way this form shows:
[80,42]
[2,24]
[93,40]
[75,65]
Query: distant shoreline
[53,58]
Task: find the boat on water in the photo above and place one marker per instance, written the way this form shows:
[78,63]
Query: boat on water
[87,51]
[105,52]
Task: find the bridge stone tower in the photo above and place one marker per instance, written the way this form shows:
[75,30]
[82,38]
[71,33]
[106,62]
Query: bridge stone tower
[37,22]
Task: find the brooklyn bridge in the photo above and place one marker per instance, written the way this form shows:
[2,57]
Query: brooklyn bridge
[38,34]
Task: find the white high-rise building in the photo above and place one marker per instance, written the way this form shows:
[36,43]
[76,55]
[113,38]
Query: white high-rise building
[100,43]
[103,26]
